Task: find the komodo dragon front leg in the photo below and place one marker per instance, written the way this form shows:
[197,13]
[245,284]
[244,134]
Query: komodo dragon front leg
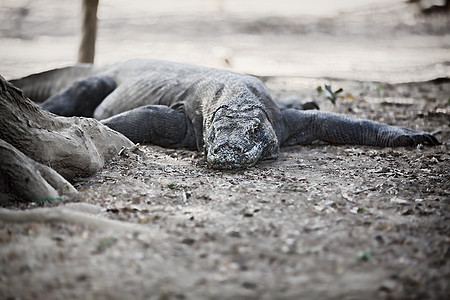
[156,124]
[304,127]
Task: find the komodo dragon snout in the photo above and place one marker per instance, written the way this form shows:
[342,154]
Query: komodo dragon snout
[238,139]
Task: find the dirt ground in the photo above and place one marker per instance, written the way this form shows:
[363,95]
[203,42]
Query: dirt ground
[320,222]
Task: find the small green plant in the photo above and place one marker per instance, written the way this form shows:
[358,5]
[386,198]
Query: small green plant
[172,186]
[106,243]
[364,255]
[333,95]
[379,90]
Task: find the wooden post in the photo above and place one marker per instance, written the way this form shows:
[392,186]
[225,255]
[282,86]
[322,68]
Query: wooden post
[86,52]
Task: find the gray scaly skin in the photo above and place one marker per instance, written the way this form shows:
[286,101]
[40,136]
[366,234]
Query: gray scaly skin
[231,117]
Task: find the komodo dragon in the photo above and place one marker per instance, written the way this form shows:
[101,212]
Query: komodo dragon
[231,117]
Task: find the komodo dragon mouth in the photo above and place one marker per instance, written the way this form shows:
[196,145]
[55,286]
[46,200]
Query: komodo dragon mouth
[239,140]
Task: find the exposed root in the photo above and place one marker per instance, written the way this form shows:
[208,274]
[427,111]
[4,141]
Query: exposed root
[75,213]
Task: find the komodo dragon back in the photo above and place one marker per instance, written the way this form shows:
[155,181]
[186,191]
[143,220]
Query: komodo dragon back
[41,86]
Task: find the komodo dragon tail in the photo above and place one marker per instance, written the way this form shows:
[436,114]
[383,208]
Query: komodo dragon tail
[40,86]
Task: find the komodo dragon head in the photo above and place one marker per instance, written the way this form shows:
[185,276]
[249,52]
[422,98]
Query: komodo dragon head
[240,137]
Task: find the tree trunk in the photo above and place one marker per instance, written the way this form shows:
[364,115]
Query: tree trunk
[34,139]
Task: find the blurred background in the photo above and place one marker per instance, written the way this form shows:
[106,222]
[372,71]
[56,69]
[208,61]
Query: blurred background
[371,40]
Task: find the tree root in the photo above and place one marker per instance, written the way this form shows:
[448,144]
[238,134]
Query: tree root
[27,179]
[35,141]
[75,213]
